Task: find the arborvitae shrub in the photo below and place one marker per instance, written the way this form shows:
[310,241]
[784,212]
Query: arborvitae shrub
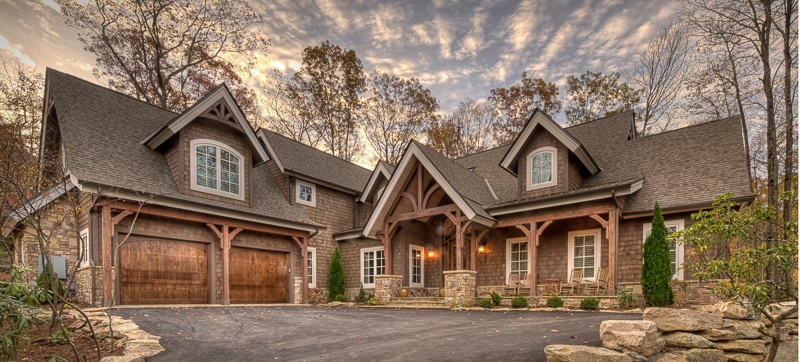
[335,275]
[362,297]
[656,268]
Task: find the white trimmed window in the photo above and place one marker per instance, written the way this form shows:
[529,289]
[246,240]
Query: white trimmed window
[675,249]
[312,267]
[216,169]
[305,193]
[542,167]
[416,266]
[373,263]
[517,260]
[84,245]
[584,253]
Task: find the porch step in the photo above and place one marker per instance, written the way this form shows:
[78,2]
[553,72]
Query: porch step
[418,301]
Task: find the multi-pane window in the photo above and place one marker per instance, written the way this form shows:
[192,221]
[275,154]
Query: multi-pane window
[675,249]
[216,169]
[415,266]
[312,267]
[517,257]
[583,254]
[373,263]
[84,244]
[541,168]
[306,193]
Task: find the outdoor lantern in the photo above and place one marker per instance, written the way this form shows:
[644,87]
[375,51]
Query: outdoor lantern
[481,249]
[431,254]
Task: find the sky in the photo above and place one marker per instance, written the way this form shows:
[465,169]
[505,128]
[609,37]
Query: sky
[456,48]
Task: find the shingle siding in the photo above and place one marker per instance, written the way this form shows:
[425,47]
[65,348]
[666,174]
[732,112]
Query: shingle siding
[539,139]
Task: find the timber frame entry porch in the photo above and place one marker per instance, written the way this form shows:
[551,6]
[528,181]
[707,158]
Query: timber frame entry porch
[225,230]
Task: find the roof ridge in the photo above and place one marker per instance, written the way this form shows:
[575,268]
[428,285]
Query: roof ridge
[599,119]
[313,148]
[479,152]
[48,69]
[689,126]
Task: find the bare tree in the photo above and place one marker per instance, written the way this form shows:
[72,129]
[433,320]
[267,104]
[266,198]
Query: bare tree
[285,111]
[395,111]
[660,72]
[465,131]
[788,32]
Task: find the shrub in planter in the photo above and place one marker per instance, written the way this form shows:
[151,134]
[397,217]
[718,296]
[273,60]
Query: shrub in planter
[496,298]
[519,302]
[362,297]
[555,302]
[486,303]
[590,303]
[626,298]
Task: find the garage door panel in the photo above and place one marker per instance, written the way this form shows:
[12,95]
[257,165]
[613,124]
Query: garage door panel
[258,276]
[157,271]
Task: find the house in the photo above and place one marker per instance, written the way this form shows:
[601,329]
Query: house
[198,207]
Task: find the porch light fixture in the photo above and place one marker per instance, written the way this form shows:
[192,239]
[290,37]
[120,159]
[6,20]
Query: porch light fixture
[431,254]
[481,249]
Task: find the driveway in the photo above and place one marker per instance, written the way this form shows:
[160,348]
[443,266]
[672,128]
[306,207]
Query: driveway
[345,334]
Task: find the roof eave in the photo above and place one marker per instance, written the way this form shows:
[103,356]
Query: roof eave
[599,194]
[684,208]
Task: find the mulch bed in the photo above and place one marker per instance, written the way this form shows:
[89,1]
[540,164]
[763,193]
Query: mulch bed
[41,349]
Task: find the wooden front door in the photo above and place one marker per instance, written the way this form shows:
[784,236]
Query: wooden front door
[158,271]
[258,276]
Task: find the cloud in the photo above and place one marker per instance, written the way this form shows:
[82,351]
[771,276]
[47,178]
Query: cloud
[16,50]
[52,4]
[444,33]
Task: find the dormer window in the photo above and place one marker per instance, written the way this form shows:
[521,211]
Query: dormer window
[216,169]
[306,193]
[542,171]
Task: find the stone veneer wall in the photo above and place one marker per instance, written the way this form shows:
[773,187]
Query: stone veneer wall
[298,290]
[386,287]
[83,285]
[459,287]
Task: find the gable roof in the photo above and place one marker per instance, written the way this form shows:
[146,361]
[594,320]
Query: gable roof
[467,190]
[308,162]
[221,92]
[101,130]
[382,170]
[540,118]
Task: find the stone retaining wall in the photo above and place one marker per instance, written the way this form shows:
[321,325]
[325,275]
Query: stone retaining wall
[386,287]
[460,288]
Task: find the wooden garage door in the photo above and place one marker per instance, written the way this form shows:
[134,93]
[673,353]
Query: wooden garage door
[258,276]
[158,271]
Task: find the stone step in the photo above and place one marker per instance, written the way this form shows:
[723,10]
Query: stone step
[419,300]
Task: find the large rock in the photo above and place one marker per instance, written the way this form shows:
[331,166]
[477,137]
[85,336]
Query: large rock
[631,336]
[718,335]
[669,320]
[732,310]
[570,353]
[753,346]
[744,357]
[692,355]
[686,340]
[122,359]
[747,329]
[787,351]
[635,357]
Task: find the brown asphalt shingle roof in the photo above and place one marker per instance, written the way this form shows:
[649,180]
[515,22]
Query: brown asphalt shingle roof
[101,130]
[309,161]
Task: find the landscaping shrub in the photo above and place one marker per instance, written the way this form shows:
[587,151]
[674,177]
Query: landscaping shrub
[48,282]
[555,302]
[486,303]
[590,303]
[372,301]
[519,302]
[656,268]
[496,298]
[626,298]
[61,336]
[340,298]
[362,297]
[18,311]
[335,275]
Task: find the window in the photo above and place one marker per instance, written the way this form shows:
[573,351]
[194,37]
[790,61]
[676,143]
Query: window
[84,245]
[216,169]
[517,261]
[416,267]
[584,253]
[542,167]
[675,249]
[372,263]
[312,267]
[306,193]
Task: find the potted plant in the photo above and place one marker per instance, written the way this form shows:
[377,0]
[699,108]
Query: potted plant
[441,292]
[403,292]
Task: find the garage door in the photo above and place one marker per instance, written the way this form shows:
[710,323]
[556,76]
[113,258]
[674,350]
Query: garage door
[258,276]
[158,271]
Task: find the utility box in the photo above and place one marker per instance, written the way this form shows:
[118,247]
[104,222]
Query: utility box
[59,266]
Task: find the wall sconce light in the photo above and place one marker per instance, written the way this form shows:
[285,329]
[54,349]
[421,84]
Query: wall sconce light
[431,254]
[481,249]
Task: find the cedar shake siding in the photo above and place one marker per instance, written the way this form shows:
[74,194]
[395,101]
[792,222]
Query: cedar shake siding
[541,138]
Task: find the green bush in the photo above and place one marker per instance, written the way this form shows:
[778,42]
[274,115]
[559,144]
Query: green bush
[496,298]
[486,303]
[519,302]
[372,301]
[555,302]
[626,298]
[61,337]
[590,303]
[49,284]
[18,311]
[335,275]
[362,297]
[340,298]
[656,267]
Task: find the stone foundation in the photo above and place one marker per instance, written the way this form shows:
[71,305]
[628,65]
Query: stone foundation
[460,287]
[386,287]
[83,285]
[298,290]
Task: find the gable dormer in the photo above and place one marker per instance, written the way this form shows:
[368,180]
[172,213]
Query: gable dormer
[546,159]
[211,149]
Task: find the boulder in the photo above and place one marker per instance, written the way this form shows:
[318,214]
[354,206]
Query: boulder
[631,336]
[669,320]
[744,357]
[686,340]
[633,311]
[570,353]
[122,359]
[635,357]
[746,329]
[718,335]
[752,346]
[732,310]
[789,327]
[787,351]
[692,355]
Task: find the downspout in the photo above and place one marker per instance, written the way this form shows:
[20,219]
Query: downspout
[355,206]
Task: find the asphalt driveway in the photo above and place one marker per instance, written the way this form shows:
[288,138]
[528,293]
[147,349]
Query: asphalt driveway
[345,334]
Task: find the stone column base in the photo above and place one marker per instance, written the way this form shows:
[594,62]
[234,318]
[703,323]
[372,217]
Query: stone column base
[386,287]
[459,286]
[298,290]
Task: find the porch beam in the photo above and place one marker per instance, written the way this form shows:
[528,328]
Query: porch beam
[566,214]
[419,187]
[612,234]
[106,234]
[411,199]
[533,246]
[423,213]
[540,230]
[116,219]
[428,195]
[602,222]
[225,237]
[459,243]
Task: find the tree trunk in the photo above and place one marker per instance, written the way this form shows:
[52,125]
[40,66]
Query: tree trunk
[788,179]
[740,106]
